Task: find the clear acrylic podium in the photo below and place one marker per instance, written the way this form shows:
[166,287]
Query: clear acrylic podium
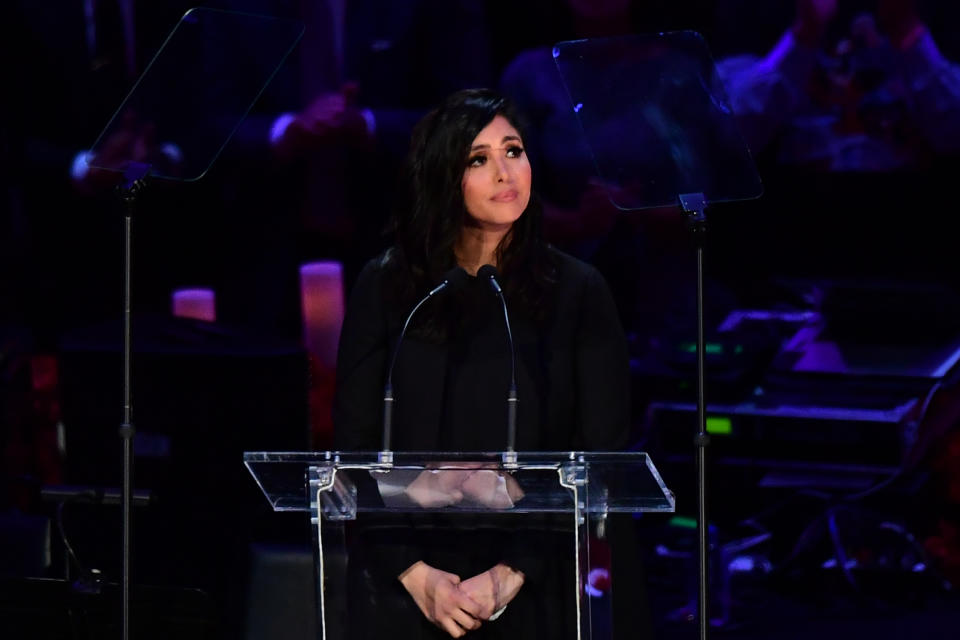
[338,488]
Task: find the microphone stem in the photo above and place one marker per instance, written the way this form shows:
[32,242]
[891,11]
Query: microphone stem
[512,418]
[512,396]
[513,358]
[387,416]
[388,387]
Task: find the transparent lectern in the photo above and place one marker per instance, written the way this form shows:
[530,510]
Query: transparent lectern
[341,490]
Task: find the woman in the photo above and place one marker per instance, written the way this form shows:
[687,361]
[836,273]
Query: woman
[469,202]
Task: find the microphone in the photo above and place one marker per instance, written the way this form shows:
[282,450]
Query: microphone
[489,273]
[453,280]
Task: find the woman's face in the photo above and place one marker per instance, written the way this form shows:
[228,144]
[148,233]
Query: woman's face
[496,182]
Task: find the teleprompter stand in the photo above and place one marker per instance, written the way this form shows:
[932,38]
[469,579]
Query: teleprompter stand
[172,126]
[662,134]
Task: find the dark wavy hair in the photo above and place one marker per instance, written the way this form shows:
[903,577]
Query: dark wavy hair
[430,213]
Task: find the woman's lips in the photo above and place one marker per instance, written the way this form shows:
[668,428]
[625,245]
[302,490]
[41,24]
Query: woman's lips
[506,196]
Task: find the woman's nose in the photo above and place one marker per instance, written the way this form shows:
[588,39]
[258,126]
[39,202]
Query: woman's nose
[502,169]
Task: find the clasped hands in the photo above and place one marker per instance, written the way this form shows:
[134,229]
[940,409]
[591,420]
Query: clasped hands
[460,606]
[435,488]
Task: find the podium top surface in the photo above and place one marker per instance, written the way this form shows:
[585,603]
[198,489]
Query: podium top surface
[525,482]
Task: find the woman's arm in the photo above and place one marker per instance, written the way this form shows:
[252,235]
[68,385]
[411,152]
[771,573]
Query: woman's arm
[602,369]
[361,366]
[358,410]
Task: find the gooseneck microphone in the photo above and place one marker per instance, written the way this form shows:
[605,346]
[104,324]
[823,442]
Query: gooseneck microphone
[489,273]
[452,280]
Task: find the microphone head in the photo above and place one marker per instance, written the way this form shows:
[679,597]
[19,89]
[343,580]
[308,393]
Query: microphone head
[487,271]
[455,278]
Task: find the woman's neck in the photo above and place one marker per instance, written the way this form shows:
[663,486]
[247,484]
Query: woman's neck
[477,246]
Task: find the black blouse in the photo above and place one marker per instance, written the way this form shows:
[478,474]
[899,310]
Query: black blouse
[573,389]
[572,371]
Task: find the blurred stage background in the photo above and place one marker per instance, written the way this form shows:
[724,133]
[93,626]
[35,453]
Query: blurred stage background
[833,310]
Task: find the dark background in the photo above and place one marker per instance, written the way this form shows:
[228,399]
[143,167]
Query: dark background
[873,253]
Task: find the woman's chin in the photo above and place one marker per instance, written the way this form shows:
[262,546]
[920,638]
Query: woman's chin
[502,218]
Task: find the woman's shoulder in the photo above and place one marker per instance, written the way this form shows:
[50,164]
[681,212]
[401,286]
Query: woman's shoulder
[572,270]
[376,268]
[383,282]
[368,286]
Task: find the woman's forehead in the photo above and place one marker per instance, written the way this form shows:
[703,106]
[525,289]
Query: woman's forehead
[498,131]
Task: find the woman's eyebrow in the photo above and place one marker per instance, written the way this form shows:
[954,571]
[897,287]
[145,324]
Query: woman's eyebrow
[476,147]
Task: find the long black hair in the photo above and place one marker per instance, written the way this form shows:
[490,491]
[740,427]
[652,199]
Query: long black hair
[430,213]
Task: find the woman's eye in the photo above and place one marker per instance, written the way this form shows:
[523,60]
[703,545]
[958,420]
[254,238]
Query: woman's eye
[514,151]
[476,161]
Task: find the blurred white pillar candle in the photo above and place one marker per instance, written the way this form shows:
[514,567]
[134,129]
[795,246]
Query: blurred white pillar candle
[321,297]
[199,304]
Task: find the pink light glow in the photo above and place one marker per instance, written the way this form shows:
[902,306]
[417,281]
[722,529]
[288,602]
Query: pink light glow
[199,304]
[321,297]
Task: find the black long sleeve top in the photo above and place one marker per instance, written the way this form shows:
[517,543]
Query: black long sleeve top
[572,381]
[572,371]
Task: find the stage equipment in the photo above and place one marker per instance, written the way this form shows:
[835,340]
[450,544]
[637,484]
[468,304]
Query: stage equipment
[659,125]
[48,609]
[580,492]
[205,394]
[172,125]
[844,393]
[822,439]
